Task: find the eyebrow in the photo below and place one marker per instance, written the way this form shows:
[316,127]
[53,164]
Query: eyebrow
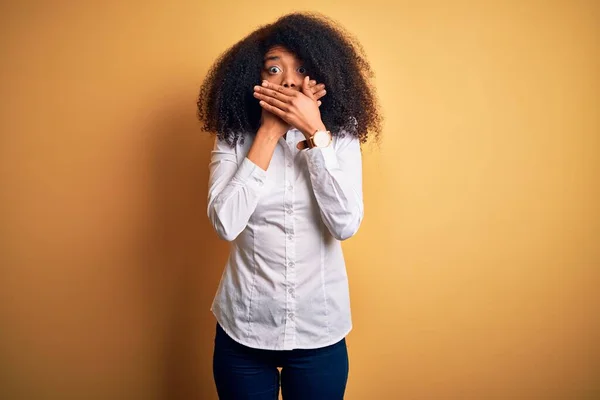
[271,58]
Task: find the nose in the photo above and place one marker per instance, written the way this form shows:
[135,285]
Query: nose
[290,80]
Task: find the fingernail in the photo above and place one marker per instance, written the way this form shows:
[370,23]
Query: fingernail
[264,83]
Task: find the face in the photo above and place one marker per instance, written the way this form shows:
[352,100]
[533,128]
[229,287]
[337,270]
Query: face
[283,68]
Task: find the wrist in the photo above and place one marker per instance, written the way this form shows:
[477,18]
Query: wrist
[268,135]
[310,130]
[262,148]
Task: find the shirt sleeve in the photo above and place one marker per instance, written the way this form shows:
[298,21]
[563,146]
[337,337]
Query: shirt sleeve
[336,178]
[233,190]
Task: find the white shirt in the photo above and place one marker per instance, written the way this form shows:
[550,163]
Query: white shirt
[285,285]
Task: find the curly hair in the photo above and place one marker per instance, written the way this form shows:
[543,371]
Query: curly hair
[227,107]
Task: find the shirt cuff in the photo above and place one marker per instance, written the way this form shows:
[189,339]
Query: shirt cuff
[250,174]
[320,157]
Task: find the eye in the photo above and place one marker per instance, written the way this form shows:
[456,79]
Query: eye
[271,69]
[302,70]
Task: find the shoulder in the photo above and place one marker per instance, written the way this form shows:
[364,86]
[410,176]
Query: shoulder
[243,142]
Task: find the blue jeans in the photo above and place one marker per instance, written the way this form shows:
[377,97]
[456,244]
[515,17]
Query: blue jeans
[245,373]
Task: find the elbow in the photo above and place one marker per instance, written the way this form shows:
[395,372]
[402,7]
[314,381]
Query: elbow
[349,229]
[344,234]
[227,237]
[226,234]
[225,231]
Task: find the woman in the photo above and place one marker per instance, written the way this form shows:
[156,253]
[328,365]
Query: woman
[285,188]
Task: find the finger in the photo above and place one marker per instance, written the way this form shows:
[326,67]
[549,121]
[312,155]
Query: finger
[272,101]
[272,109]
[318,87]
[320,94]
[305,88]
[312,82]
[319,103]
[278,88]
[272,93]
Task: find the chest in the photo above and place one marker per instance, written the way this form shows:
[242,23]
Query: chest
[288,185]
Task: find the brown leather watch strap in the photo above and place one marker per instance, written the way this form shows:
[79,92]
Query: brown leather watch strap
[303,144]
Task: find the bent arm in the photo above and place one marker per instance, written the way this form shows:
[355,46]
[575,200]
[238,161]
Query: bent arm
[234,190]
[336,178]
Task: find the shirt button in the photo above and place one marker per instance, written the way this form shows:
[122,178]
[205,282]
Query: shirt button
[289,211]
[291,291]
[289,164]
[291,264]
[291,315]
[290,236]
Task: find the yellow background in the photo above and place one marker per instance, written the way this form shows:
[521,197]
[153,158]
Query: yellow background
[474,275]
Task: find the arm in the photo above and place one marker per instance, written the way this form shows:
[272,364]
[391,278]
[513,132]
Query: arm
[336,177]
[234,190]
[336,174]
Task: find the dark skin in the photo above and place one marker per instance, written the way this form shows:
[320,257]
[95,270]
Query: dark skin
[287,96]
[331,55]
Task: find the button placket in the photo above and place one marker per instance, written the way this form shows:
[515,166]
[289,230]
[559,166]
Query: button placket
[290,247]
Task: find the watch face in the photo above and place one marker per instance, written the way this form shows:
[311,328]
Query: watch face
[321,139]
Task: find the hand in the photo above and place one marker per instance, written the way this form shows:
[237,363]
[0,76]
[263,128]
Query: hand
[300,109]
[317,90]
[272,123]
[275,124]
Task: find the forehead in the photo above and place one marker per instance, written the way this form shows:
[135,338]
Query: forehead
[280,53]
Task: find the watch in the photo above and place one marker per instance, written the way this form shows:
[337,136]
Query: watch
[320,138]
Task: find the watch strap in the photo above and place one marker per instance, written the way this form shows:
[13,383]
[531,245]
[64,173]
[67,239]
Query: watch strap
[309,142]
[304,144]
